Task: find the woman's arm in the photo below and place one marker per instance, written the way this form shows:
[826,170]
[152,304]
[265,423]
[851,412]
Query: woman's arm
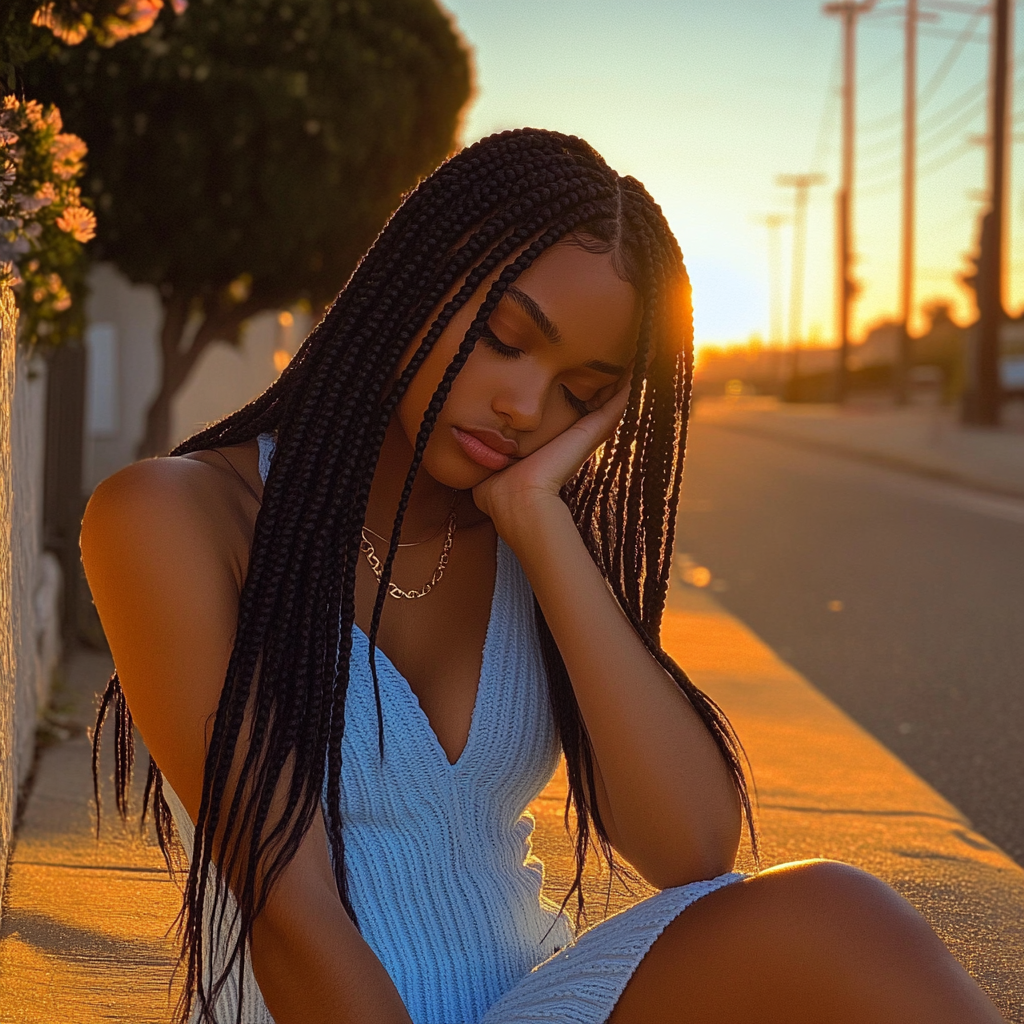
[165,559]
[664,790]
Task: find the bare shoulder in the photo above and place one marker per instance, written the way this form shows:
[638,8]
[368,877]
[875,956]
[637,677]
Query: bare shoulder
[192,501]
[164,545]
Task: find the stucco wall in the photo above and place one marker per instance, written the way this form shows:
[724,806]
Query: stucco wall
[29,578]
[8,683]
[36,575]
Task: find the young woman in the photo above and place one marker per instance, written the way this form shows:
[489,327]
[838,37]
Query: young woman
[358,621]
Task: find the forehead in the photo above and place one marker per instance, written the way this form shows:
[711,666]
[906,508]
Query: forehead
[582,294]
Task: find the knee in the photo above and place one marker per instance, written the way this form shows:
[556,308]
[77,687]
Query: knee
[842,891]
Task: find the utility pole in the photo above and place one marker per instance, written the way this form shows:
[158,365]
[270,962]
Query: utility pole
[801,185]
[848,11]
[773,222]
[904,357]
[982,398]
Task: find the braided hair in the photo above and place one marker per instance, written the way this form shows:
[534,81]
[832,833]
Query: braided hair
[491,209]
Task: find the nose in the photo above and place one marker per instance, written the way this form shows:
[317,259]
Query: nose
[520,401]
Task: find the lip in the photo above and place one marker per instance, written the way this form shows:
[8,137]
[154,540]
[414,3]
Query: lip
[486,448]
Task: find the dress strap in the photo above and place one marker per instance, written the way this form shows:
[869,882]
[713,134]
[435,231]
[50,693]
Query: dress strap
[267,443]
[248,486]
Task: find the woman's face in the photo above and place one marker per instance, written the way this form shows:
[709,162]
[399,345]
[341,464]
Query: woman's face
[557,346]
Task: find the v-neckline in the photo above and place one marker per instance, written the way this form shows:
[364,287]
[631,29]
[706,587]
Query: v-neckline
[500,557]
[410,695]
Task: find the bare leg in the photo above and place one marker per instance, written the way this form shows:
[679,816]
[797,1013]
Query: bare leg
[812,943]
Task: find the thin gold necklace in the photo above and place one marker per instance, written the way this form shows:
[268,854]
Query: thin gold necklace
[366,546]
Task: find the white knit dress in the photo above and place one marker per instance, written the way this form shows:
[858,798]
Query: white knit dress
[441,876]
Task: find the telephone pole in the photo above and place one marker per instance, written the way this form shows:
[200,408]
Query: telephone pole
[848,11]
[773,222]
[905,356]
[801,185]
[983,394]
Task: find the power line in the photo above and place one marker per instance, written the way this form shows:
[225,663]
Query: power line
[935,138]
[888,184]
[828,110]
[950,59]
[940,130]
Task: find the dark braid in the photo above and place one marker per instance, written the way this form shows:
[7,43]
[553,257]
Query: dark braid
[493,208]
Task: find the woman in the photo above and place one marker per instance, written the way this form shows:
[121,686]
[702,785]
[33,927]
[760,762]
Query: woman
[358,620]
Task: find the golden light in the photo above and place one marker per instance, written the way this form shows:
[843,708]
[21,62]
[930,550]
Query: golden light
[691,573]
[282,357]
[285,319]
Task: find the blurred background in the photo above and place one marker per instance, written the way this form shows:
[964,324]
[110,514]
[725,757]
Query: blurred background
[842,181]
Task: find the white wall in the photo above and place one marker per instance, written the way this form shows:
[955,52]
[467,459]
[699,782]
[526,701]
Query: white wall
[30,583]
[8,681]
[133,313]
[36,574]
[123,376]
[225,378]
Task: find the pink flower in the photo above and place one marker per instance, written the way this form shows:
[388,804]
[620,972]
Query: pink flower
[72,34]
[33,111]
[180,6]
[133,18]
[78,222]
[68,153]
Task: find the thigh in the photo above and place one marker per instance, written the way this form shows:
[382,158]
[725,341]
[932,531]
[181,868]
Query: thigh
[817,942]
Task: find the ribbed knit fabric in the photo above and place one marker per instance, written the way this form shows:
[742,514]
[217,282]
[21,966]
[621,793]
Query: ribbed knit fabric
[441,875]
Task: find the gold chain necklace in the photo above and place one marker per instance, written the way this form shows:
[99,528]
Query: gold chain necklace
[377,566]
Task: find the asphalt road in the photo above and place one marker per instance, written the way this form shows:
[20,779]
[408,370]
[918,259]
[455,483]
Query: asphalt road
[900,598]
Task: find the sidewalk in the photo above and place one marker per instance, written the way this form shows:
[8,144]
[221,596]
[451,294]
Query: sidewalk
[927,441]
[83,933]
[82,938]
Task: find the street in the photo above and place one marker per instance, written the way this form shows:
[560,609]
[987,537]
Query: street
[900,598]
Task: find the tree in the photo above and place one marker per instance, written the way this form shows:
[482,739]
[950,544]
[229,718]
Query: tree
[244,154]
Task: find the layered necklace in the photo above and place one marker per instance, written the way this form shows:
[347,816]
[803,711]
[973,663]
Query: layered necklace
[366,546]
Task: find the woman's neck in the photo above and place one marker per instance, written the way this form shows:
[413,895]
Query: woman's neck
[429,503]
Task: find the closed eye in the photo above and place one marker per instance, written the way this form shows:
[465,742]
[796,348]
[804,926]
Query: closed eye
[575,403]
[493,342]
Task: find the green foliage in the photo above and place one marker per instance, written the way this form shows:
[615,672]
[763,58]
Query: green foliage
[43,221]
[259,139]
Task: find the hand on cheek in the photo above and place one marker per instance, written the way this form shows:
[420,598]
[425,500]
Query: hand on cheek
[537,479]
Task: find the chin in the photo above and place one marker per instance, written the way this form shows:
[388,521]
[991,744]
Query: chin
[453,469]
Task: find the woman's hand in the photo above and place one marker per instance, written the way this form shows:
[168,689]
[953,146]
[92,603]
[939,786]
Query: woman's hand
[533,482]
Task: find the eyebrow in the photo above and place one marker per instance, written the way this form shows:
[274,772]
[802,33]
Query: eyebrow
[535,313]
[550,330]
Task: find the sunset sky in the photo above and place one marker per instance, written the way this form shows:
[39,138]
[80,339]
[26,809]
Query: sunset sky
[707,102]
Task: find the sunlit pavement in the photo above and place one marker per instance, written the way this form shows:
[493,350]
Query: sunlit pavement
[84,932]
[83,935]
[900,597]
[927,440]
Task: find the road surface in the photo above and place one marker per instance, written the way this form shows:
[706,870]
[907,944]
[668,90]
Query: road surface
[900,598]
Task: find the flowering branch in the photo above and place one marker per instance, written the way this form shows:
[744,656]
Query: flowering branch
[43,218]
[71,21]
